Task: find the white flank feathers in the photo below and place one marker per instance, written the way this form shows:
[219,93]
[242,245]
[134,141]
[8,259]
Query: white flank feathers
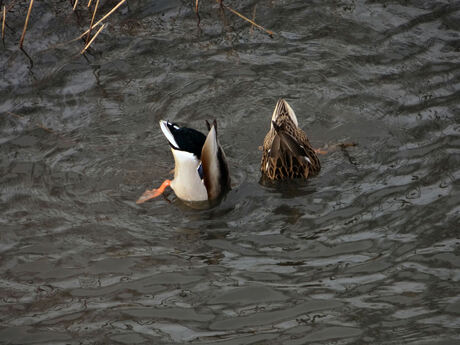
[187,183]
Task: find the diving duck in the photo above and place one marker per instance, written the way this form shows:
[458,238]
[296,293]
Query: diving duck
[287,153]
[201,170]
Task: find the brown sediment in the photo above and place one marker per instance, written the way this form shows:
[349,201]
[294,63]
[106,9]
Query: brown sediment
[92,39]
[92,21]
[21,41]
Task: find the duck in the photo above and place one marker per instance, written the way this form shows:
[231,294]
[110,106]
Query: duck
[201,170]
[286,151]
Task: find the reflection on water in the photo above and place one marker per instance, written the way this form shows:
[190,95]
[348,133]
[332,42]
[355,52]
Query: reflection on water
[365,253]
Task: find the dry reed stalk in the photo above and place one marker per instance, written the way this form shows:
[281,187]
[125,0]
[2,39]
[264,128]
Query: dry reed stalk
[253,18]
[103,18]
[332,148]
[89,3]
[222,12]
[3,23]
[21,41]
[49,130]
[349,144]
[75,5]
[92,21]
[197,13]
[248,20]
[92,39]
[15,115]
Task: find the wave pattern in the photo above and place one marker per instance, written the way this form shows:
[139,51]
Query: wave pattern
[366,253]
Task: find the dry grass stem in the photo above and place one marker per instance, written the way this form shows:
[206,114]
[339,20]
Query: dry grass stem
[92,21]
[197,13]
[3,23]
[253,18]
[15,115]
[49,130]
[21,41]
[92,39]
[75,5]
[348,144]
[248,20]
[89,3]
[103,18]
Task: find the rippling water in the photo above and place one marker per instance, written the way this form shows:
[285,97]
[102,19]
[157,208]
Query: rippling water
[366,253]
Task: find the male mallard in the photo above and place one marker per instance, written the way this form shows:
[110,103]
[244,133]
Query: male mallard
[287,153]
[201,170]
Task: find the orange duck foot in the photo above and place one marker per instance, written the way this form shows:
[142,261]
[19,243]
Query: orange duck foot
[150,194]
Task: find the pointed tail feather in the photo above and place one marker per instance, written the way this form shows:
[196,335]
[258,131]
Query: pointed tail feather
[283,108]
[215,168]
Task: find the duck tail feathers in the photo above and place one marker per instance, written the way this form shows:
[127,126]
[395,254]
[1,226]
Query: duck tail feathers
[283,108]
[215,168]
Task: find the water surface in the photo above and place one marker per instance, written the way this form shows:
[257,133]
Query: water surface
[365,253]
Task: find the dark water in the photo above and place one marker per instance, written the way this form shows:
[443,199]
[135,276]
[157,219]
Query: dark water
[366,253]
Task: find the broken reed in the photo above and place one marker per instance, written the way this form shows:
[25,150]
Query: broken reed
[103,18]
[92,39]
[21,41]
[89,40]
[260,27]
[3,23]
[92,19]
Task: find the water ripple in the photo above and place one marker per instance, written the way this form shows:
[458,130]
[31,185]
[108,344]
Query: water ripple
[366,253]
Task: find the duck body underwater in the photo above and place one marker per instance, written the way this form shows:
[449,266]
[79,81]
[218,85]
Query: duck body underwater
[201,171]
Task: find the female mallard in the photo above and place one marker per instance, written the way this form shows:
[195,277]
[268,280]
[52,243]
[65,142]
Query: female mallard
[201,170]
[287,153]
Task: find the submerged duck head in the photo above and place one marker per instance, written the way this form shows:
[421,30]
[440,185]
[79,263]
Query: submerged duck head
[287,152]
[201,170]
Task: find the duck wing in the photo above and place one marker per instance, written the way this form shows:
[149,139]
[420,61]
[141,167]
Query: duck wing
[288,157]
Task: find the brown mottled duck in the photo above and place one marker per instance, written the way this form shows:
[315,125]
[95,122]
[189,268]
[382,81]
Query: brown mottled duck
[287,153]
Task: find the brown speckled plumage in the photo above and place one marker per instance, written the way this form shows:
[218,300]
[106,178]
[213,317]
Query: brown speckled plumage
[287,153]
